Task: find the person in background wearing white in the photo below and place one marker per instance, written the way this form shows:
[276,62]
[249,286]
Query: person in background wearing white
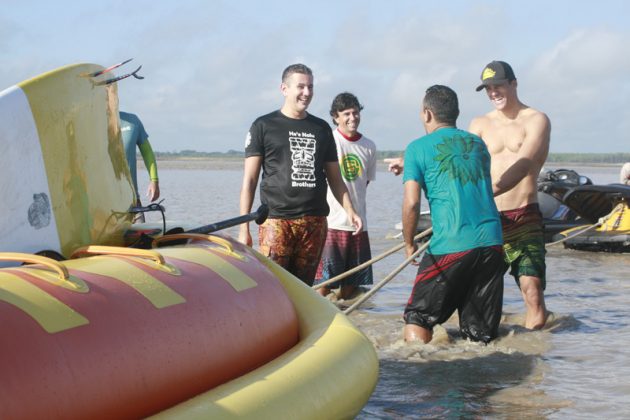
[624,175]
[357,160]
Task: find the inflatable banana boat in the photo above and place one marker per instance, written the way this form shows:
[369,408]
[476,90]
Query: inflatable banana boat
[207,330]
[204,329]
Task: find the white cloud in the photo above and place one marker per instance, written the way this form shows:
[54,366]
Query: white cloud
[590,56]
[582,83]
[212,68]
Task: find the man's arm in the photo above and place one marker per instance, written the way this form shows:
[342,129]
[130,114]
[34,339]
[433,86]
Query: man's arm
[153,191]
[339,190]
[533,152]
[410,211]
[251,173]
[476,126]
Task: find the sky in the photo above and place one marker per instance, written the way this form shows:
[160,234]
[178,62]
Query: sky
[212,67]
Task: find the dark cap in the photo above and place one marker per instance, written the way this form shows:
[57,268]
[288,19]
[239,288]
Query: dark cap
[496,73]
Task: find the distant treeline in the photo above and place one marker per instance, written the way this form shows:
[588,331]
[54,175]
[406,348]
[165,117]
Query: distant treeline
[195,154]
[589,157]
[381,154]
[585,158]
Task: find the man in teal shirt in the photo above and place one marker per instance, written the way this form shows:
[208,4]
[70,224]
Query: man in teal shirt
[463,267]
[134,134]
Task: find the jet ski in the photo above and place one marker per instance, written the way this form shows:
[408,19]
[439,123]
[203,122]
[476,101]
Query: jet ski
[553,185]
[602,207]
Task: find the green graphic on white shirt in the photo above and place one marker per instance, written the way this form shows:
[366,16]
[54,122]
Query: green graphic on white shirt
[351,167]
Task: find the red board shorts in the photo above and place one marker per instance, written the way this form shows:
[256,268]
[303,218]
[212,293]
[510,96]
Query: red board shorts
[294,244]
[342,252]
[470,282]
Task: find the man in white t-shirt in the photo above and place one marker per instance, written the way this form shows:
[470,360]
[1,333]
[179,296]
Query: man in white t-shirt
[343,249]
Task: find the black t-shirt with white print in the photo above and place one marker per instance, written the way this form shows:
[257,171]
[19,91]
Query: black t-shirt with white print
[294,152]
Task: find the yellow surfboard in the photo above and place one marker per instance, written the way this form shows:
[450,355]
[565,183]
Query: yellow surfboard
[65,181]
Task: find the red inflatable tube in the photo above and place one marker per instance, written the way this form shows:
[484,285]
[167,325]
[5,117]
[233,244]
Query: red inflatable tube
[130,358]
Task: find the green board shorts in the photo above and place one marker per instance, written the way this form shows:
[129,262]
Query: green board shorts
[524,243]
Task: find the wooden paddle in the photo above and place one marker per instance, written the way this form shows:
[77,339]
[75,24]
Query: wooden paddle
[372,261]
[383,282]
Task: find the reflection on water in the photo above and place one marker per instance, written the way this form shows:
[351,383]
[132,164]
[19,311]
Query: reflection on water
[577,367]
[461,388]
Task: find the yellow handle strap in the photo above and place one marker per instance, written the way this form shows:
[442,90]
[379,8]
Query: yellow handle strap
[119,250]
[37,259]
[228,248]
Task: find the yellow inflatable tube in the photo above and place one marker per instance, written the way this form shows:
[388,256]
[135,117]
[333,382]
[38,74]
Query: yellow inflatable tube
[329,374]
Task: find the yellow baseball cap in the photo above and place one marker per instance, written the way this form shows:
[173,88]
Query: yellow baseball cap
[496,73]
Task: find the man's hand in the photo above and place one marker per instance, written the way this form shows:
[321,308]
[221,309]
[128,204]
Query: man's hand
[245,237]
[357,223]
[395,165]
[410,250]
[153,192]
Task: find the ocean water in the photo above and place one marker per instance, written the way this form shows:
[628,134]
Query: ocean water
[577,367]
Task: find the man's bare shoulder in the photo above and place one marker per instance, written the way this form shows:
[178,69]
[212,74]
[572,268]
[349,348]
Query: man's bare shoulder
[536,116]
[478,124]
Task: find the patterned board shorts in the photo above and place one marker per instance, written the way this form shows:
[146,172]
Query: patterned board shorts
[524,242]
[344,251]
[294,244]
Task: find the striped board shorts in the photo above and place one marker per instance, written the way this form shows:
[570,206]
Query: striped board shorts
[344,251]
[524,243]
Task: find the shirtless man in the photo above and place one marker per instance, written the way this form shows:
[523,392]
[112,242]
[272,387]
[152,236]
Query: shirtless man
[517,138]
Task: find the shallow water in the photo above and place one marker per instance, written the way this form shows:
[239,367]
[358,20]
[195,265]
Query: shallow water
[577,367]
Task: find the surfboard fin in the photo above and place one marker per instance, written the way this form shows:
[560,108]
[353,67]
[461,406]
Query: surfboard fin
[124,76]
[107,70]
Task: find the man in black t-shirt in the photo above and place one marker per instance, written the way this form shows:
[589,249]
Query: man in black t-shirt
[297,154]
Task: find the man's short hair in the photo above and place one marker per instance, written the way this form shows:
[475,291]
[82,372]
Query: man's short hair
[442,102]
[343,101]
[295,68]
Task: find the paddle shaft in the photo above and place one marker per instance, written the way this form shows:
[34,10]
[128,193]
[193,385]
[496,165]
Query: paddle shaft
[386,280]
[259,216]
[372,261]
